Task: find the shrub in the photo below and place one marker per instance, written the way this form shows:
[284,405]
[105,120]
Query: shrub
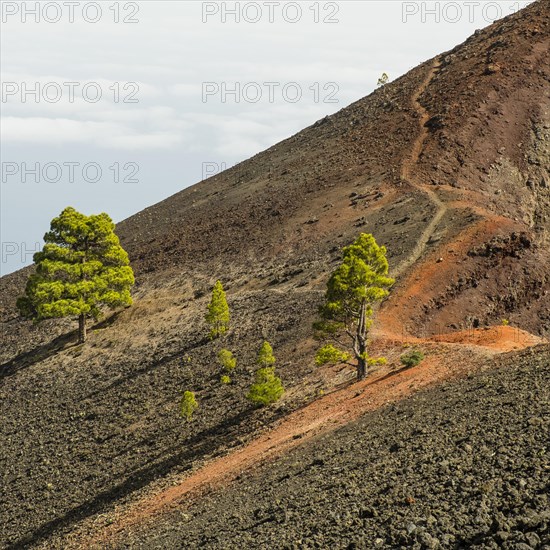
[218,312]
[505,322]
[374,361]
[227,360]
[225,379]
[265,356]
[188,405]
[330,354]
[412,358]
[267,387]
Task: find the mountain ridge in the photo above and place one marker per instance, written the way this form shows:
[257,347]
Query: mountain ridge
[467,224]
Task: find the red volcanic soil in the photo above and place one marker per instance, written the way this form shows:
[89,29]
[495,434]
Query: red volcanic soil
[447,167]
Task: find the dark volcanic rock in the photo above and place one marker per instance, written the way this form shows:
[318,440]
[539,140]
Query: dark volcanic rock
[469,470]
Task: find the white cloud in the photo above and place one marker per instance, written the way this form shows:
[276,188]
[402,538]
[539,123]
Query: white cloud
[193,91]
[62,131]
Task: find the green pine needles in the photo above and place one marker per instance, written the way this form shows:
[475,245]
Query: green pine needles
[81,269]
[265,356]
[227,360]
[188,405]
[353,289]
[267,387]
[413,358]
[218,312]
[329,354]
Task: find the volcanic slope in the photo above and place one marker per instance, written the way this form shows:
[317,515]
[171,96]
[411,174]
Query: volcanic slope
[447,166]
[463,465]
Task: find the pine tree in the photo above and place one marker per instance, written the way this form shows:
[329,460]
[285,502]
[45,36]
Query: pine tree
[265,355]
[267,387]
[352,290]
[218,312]
[81,269]
[188,405]
[227,360]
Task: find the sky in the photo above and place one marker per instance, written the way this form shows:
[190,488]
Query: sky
[113,106]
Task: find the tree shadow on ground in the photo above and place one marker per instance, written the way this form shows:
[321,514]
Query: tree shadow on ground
[38,354]
[211,441]
[154,364]
[45,351]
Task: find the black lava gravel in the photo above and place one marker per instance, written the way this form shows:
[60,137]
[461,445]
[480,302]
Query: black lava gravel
[463,465]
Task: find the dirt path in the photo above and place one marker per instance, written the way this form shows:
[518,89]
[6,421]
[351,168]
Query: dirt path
[415,288]
[408,174]
[445,361]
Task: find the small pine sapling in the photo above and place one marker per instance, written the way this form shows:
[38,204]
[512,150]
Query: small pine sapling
[267,387]
[188,405]
[218,312]
[412,358]
[265,355]
[227,360]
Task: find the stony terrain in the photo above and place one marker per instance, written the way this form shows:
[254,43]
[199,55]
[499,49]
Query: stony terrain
[116,419]
[463,465]
[448,166]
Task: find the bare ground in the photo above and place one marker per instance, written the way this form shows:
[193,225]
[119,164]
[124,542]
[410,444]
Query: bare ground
[447,166]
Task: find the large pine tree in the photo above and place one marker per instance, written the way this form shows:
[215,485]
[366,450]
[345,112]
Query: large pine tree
[81,269]
[353,289]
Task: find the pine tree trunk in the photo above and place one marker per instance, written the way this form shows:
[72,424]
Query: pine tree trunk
[81,328]
[361,341]
[82,316]
[361,362]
